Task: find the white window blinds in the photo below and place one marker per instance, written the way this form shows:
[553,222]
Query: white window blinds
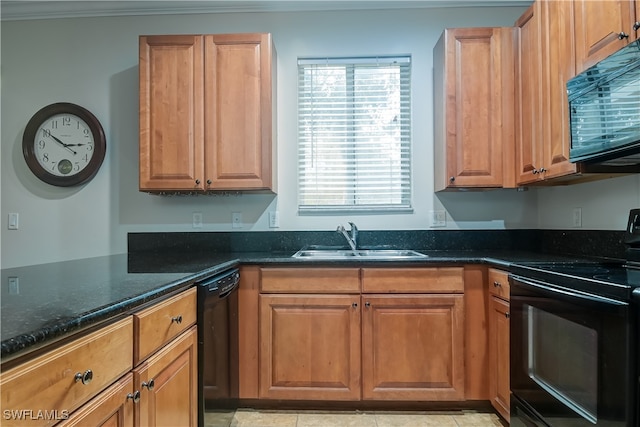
[354,134]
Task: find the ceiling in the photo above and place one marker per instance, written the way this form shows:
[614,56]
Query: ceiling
[26,9]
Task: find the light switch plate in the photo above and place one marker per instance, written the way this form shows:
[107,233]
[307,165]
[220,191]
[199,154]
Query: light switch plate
[437,218]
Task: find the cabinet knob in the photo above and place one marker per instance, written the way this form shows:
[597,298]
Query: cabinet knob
[208,182]
[354,305]
[497,284]
[623,35]
[135,396]
[149,384]
[85,377]
[176,319]
[197,182]
[452,179]
[535,171]
[367,304]
[542,170]
[636,26]
[507,315]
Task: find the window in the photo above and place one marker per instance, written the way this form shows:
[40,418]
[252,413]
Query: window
[354,134]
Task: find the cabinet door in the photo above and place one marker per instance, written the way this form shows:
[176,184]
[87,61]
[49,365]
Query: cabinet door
[413,347]
[499,355]
[598,26]
[111,408]
[476,73]
[310,347]
[558,66]
[171,113]
[238,148]
[168,384]
[528,94]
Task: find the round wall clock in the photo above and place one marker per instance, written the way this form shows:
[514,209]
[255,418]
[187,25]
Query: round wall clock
[64,144]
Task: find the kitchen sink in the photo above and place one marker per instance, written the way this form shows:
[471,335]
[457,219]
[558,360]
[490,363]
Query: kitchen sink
[377,254]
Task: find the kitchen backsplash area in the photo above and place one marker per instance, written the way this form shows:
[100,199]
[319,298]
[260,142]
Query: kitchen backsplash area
[595,243]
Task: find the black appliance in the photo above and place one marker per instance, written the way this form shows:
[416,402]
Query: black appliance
[574,341]
[218,342]
[604,110]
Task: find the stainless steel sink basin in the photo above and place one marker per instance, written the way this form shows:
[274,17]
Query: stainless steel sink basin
[378,254]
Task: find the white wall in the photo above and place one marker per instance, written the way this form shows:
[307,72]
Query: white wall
[93,62]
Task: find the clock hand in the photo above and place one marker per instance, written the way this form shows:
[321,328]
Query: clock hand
[63,144]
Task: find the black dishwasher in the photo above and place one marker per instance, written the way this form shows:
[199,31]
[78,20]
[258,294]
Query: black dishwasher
[218,342]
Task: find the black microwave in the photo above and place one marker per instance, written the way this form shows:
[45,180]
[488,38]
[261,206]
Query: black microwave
[604,110]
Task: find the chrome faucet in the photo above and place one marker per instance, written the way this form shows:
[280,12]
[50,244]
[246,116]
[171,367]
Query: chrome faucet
[351,239]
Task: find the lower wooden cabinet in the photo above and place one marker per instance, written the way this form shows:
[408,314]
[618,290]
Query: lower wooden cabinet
[168,384]
[92,381]
[413,347]
[310,347]
[499,385]
[111,408]
[316,345]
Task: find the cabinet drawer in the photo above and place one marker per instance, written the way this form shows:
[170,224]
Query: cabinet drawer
[47,385]
[413,280]
[159,324]
[499,283]
[310,280]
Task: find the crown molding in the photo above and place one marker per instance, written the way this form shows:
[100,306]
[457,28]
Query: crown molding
[17,10]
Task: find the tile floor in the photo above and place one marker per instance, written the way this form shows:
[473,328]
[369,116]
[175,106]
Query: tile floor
[271,418]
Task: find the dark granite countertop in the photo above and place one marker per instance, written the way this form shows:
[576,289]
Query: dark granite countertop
[42,303]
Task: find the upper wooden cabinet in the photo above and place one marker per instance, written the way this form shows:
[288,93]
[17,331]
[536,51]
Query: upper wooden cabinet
[473,108]
[207,106]
[603,27]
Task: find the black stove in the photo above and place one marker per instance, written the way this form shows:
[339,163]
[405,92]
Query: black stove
[614,280]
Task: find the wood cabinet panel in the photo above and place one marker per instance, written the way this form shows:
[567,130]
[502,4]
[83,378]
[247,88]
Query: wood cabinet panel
[159,324]
[239,110]
[413,347]
[558,65]
[48,382]
[476,340]
[499,283]
[310,347]
[474,108]
[111,408]
[413,280]
[248,336]
[598,25]
[173,371]
[529,96]
[499,356]
[171,113]
[310,280]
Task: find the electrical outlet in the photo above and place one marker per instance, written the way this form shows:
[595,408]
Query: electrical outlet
[437,218]
[236,220]
[577,217]
[14,286]
[14,221]
[197,220]
[274,219]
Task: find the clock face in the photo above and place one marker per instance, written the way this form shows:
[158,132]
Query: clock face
[64,145]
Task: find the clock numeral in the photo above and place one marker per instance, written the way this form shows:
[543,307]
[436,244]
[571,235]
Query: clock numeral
[54,124]
[85,157]
[45,157]
[46,133]
[77,166]
[53,166]
[41,144]
[87,133]
[66,121]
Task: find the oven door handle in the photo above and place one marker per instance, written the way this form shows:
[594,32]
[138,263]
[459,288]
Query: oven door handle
[570,293]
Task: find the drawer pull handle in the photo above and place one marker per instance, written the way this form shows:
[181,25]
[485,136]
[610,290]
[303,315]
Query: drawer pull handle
[177,319]
[84,378]
[507,315]
[149,384]
[135,396]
